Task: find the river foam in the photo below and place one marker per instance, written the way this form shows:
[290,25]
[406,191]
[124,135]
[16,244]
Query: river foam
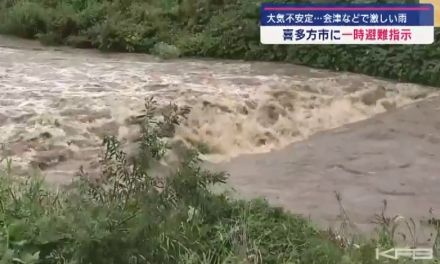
[56,106]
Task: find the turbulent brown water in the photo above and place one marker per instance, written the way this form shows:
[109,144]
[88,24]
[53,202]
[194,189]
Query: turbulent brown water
[57,104]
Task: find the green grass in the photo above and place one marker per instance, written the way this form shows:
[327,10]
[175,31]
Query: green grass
[209,28]
[131,217]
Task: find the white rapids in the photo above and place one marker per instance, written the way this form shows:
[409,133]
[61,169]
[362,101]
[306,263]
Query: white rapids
[56,105]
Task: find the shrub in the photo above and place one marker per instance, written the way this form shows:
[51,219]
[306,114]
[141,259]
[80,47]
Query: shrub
[24,19]
[63,21]
[114,35]
[165,51]
[50,38]
[82,42]
[92,14]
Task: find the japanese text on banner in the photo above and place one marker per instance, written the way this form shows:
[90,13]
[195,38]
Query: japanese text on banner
[347,24]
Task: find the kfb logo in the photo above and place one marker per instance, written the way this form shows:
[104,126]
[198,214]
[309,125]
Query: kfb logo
[414,253]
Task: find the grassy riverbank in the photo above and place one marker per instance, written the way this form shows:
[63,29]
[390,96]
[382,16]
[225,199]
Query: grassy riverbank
[132,217]
[214,28]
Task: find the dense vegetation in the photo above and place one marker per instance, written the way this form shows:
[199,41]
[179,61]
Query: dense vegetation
[133,217]
[206,28]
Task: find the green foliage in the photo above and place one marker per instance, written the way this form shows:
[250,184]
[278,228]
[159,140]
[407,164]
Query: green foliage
[165,51]
[24,19]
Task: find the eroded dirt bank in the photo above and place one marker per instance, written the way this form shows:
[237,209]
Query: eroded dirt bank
[393,156]
[57,104]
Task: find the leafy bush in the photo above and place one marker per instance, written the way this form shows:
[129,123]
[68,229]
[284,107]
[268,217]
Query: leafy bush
[165,50]
[24,19]
[64,22]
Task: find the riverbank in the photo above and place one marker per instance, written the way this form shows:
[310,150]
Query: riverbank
[390,157]
[215,28]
